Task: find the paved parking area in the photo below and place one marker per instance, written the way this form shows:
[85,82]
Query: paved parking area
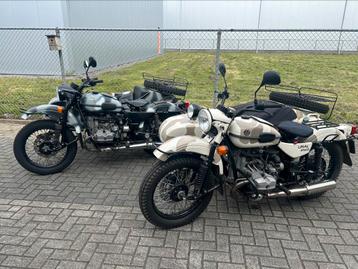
[88,217]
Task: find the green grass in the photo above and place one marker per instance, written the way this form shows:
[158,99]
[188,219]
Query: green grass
[337,73]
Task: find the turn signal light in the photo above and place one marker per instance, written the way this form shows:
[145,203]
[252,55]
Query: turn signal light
[222,150]
[186,104]
[354,129]
[60,109]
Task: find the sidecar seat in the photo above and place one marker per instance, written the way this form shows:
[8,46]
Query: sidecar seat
[273,115]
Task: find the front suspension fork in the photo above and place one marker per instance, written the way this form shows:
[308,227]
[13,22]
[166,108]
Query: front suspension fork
[203,173]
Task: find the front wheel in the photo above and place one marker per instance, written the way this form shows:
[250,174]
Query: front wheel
[38,148]
[166,194]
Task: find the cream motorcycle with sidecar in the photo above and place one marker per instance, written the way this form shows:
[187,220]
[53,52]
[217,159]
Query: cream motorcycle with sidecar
[248,153]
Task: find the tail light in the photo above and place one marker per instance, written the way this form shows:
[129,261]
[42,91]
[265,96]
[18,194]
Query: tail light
[354,130]
[186,104]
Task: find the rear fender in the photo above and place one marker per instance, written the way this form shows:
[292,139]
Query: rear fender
[332,135]
[187,144]
[326,134]
[346,157]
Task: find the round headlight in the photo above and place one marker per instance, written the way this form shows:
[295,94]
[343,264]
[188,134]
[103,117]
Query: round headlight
[193,111]
[204,119]
[190,111]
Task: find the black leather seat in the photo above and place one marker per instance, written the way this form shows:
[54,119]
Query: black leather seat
[139,92]
[137,103]
[294,129]
[272,115]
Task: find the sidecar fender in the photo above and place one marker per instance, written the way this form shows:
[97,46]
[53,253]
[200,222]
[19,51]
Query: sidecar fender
[187,144]
[52,111]
[178,126]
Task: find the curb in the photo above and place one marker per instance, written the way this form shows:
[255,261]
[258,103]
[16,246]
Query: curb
[15,121]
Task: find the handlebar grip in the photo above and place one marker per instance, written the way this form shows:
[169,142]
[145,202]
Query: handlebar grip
[98,81]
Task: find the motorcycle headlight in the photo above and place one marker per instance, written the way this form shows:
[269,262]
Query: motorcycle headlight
[193,111]
[205,121]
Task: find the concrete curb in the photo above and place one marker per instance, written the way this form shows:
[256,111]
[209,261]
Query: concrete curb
[15,121]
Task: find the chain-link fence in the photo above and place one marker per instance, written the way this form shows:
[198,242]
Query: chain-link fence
[25,52]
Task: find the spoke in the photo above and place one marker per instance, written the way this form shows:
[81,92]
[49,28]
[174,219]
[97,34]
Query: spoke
[44,138]
[166,198]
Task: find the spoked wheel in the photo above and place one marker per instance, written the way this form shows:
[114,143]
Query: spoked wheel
[331,166]
[166,196]
[38,148]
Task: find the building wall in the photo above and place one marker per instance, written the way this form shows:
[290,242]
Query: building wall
[27,52]
[289,14]
[111,48]
[316,14]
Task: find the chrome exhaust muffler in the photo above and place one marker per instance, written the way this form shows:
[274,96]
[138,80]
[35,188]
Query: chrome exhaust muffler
[307,190]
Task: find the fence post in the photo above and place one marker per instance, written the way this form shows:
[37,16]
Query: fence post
[258,27]
[60,56]
[217,62]
[339,42]
[158,41]
[342,24]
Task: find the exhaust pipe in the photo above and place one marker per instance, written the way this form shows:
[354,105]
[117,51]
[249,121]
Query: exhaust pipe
[307,190]
[131,146]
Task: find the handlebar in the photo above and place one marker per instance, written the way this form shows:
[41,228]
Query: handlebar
[93,82]
[86,83]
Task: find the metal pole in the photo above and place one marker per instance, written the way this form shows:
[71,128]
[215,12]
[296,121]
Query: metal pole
[180,26]
[158,42]
[217,62]
[258,27]
[60,56]
[342,23]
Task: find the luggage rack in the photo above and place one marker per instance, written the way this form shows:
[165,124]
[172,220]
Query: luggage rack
[309,94]
[175,85]
[320,124]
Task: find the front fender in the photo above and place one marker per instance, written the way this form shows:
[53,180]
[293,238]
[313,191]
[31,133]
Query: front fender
[52,111]
[178,126]
[188,144]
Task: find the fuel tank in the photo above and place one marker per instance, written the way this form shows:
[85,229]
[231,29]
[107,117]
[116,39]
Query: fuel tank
[100,102]
[252,132]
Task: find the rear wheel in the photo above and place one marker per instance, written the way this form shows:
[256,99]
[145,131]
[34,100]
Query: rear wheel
[331,165]
[38,148]
[164,196]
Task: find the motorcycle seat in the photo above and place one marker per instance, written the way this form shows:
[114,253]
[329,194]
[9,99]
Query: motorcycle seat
[137,103]
[294,129]
[272,115]
[139,92]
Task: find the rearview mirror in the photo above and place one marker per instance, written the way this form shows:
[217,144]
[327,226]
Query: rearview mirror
[92,62]
[222,69]
[85,64]
[271,78]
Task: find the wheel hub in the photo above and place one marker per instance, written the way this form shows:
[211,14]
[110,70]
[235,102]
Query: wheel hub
[44,146]
[179,193]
